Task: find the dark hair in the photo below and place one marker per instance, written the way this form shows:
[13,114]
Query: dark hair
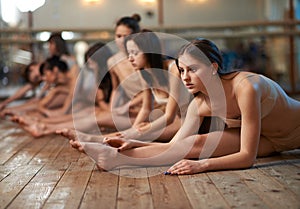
[26,72]
[52,62]
[150,45]
[205,50]
[131,22]
[100,54]
[60,43]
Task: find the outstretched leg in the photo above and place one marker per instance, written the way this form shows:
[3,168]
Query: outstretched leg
[198,146]
[76,138]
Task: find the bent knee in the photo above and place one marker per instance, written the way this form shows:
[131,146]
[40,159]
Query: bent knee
[265,148]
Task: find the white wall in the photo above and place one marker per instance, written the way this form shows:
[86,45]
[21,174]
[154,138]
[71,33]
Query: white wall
[212,11]
[77,14]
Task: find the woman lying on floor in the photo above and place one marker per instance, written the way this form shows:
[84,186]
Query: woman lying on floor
[260,120]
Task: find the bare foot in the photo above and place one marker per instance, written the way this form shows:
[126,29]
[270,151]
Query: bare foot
[36,129]
[76,137]
[19,119]
[7,112]
[105,157]
[71,134]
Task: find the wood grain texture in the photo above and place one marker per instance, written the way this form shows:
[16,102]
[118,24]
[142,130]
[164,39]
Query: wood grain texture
[46,172]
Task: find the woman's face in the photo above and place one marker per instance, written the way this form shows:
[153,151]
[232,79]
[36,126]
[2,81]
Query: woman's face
[52,48]
[120,33]
[136,56]
[193,72]
[50,76]
[34,75]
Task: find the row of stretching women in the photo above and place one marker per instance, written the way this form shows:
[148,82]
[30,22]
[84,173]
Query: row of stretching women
[250,106]
[259,118]
[122,75]
[54,78]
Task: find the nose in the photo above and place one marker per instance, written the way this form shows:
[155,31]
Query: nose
[130,58]
[185,75]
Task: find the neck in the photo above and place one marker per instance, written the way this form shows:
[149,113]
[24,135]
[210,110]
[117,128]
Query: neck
[61,79]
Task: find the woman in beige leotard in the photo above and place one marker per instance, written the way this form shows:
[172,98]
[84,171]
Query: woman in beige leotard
[261,119]
[123,98]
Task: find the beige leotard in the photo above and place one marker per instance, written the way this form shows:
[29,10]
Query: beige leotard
[289,136]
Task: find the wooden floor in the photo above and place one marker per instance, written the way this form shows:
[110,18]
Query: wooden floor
[47,173]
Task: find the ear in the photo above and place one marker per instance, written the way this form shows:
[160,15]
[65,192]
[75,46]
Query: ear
[215,67]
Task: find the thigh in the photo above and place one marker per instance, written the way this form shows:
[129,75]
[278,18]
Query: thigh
[265,147]
[107,119]
[169,131]
[216,144]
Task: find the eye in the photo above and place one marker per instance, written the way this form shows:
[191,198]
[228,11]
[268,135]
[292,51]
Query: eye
[181,70]
[193,70]
[133,52]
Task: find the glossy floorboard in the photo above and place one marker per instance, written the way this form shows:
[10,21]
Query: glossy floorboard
[47,173]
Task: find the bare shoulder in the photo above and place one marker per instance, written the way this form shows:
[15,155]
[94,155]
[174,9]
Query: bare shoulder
[200,106]
[248,82]
[110,62]
[115,59]
[249,87]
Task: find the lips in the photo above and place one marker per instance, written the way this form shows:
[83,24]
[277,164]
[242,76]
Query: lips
[188,85]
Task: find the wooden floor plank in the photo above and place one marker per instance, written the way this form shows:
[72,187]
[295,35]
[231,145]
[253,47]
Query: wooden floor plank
[285,173]
[202,192]
[101,191]
[134,189]
[5,171]
[47,173]
[8,138]
[40,187]
[235,191]
[51,150]
[274,194]
[71,187]
[167,191]
[11,186]
[24,154]
[12,144]
[7,128]
[67,153]
[21,153]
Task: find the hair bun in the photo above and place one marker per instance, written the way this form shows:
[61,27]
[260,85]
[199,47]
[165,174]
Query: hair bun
[136,17]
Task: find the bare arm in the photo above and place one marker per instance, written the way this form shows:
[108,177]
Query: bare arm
[18,95]
[19,109]
[250,132]
[249,106]
[146,107]
[68,102]
[171,107]
[43,105]
[115,83]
